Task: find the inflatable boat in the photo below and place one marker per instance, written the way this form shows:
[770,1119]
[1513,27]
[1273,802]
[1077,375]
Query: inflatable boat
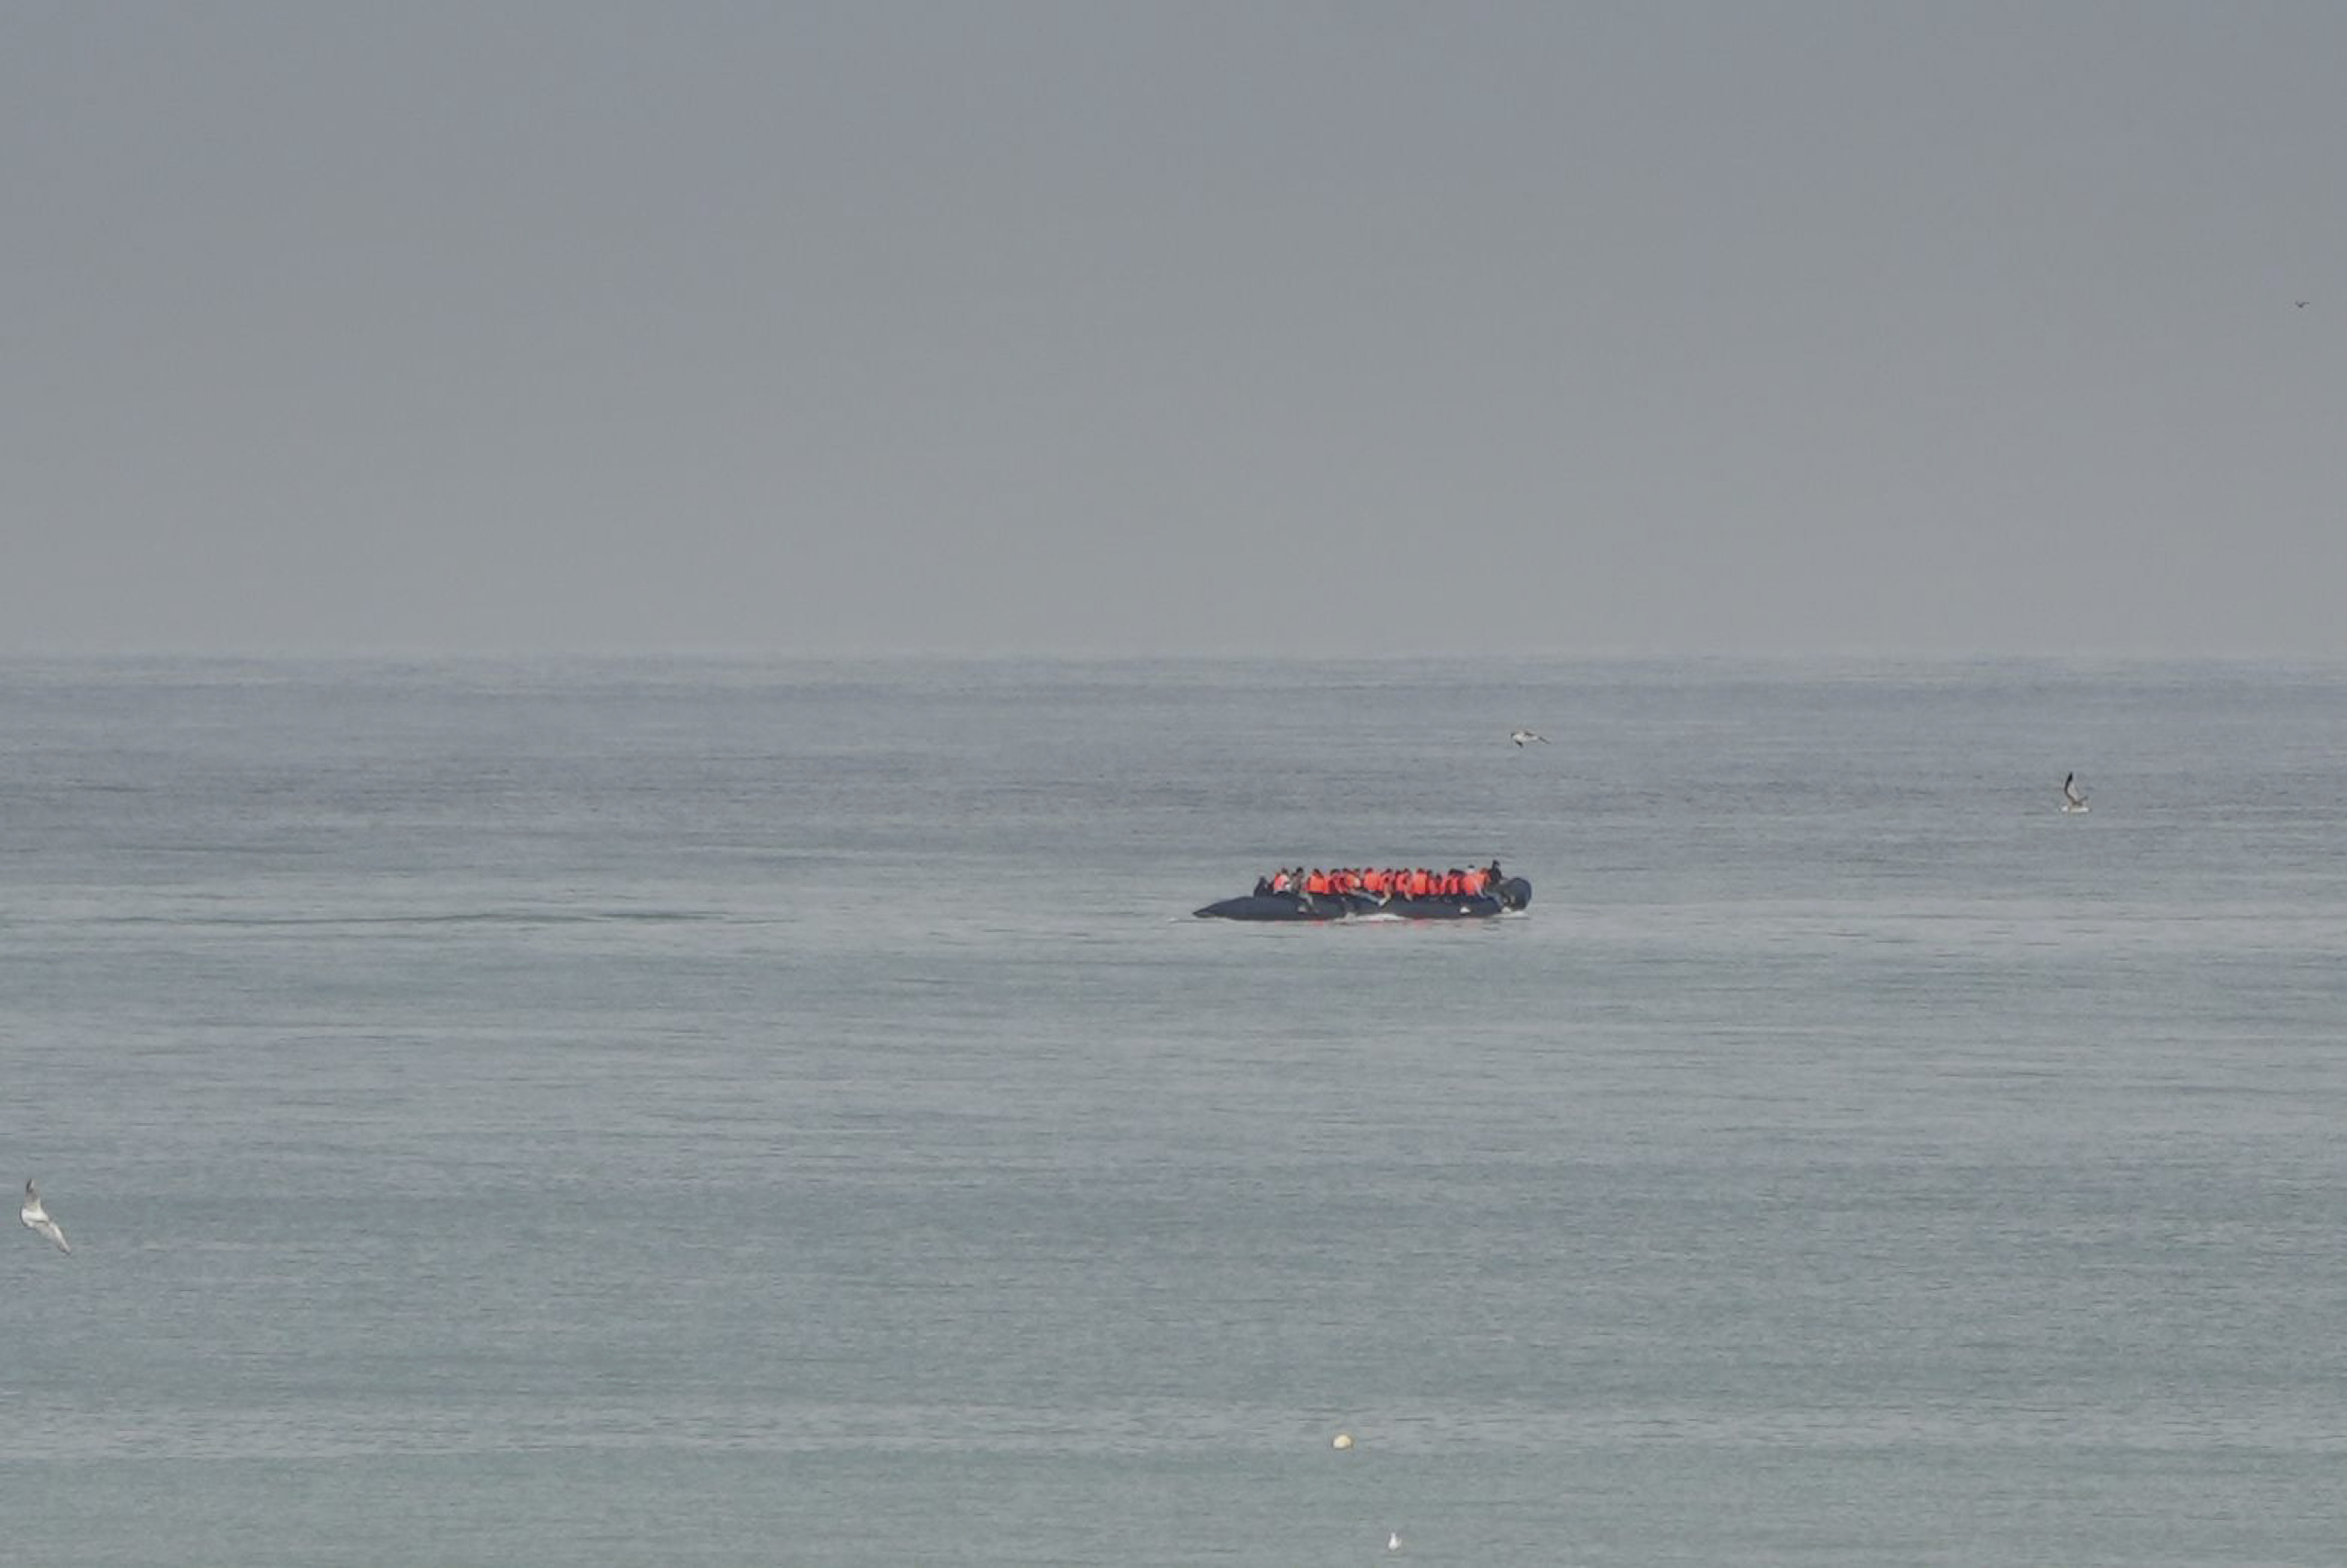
[1515,893]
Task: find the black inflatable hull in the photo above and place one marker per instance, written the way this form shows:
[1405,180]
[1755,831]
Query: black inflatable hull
[1515,893]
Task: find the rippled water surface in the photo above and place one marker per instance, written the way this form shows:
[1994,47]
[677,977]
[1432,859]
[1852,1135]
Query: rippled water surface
[705,1113]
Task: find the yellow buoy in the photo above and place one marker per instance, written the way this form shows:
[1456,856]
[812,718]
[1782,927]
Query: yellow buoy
[1344,1441]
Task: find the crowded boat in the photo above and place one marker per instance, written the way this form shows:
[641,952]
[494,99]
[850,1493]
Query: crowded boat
[1414,892]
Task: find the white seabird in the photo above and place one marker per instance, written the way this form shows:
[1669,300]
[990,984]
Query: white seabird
[1393,1540]
[2072,800]
[37,1218]
[1520,736]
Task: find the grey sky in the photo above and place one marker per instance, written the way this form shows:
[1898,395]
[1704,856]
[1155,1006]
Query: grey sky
[1146,328]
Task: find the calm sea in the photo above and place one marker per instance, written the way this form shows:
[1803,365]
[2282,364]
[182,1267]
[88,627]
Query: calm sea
[596,1114]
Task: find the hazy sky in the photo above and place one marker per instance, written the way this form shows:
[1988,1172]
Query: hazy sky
[1143,328]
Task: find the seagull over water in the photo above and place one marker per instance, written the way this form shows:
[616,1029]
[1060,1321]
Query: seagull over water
[1393,1540]
[37,1218]
[1520,736]
[2072,800]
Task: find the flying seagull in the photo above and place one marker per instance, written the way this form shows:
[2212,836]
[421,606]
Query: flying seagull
[37,1218]
[1520,736]
[2072,799]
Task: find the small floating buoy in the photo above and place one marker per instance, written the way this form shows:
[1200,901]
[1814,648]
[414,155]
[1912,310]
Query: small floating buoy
[1344,1441]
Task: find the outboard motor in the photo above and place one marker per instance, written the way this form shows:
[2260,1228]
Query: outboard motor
[1515,893]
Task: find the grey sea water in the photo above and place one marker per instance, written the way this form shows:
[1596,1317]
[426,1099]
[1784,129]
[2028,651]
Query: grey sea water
[710,1112]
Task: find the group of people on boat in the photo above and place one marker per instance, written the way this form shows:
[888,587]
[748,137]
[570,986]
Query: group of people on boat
[1383,882]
